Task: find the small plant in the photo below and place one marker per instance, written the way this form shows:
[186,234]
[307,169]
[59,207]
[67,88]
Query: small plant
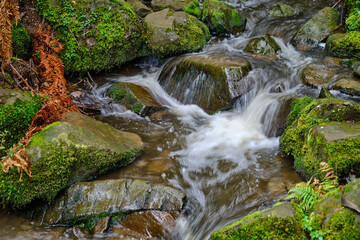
[305,193]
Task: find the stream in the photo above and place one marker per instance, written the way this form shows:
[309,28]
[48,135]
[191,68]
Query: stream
[228,163]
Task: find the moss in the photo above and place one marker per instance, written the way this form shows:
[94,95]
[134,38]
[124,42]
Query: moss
[15,120]
[123,95]
[60,164]
[21,41]
[95,37]
[344,45]
[301,140]
[193,8]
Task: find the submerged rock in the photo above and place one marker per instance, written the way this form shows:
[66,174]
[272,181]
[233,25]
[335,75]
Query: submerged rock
[209,81]
[344,44]
[76,149]
[190,6]
[282,10]
[222,17]
[113,197]
[264,45]
[283,221]
[317,29]
[326,130]
[175,32]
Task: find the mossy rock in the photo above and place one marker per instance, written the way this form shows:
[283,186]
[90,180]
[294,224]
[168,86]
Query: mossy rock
[190,6]
[344,44]
[17,110]
[139,8]
[210,81]
[175,32]
[265,45]
[282,221]
[282,10]
[319,74]
[222,18]
[350,86]
[317,29]
[318,131]
[76,149]
[96,35]
[86,200]
[335,221]
[21,42]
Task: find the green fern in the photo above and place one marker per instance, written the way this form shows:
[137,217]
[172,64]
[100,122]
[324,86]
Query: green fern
[305,193]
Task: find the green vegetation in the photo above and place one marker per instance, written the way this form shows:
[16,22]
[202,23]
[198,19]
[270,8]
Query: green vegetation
[15,119]
[21,41]
[95,37]
[123,95]
[193,8]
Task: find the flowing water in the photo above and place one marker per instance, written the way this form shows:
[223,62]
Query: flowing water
[227,163]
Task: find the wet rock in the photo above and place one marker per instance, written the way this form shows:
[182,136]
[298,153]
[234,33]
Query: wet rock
[283,221]
[76,149]
[145,225]
[264,45]
[113,197]
[209,81]
[175,32]
[190,6]
[135,98]
[139,8]
[282,10]
[320,74]
[325,130]
[279,124]
[222,17]
[317,29]
[349,86]
[101,226]
[344,44]
[333,219]
[357,71]
[325,93]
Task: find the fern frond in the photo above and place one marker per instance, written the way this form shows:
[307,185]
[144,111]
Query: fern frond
[305,193]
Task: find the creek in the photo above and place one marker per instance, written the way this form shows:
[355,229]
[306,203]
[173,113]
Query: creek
[228,163]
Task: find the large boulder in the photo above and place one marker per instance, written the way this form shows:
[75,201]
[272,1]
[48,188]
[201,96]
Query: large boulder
[344,44]
[319,74]
[76,149]
[317,29]
[282,10]
[87,200]
[17,110]
[350,86]
[96,35]
[283,221]
[175,32]
[190,6]
[265,45]
[210,81]
[222,17]
[326,130]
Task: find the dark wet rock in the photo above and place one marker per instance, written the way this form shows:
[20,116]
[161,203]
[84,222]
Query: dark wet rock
[357,71]
[325,130]
[134,97]
[214,79]
[139,8]
[333,219]
[279,124]
[320,74]
[222,17]
[175,32]
[282,10]
[283,221]
[190,6]
[145,225]
[344,44]
[76,149]
[317,29]
[101,226]
[325,93]
[264,45]
[113,197]
[349,86]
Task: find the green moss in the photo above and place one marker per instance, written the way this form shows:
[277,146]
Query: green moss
[308,148]
[94,36]
[193,8]
[342,225]
[123,95]
[344,45]
[21,41]
[15,120]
